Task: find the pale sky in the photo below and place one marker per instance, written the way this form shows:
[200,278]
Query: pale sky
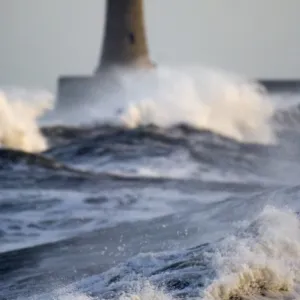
[41,39]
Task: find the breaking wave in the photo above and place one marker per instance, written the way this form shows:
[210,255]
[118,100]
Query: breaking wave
[211,100]
[19,128]
[207,100]
[204,99]
[263,259]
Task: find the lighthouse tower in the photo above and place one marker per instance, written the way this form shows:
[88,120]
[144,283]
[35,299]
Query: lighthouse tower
[125,39]
[124,46]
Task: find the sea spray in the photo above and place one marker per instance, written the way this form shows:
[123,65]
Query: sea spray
[205,99]
[19,128]
[262,259]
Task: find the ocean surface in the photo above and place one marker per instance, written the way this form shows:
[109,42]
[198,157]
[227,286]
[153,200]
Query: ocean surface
[185,186]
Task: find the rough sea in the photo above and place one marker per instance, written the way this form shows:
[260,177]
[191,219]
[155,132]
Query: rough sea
[183,184]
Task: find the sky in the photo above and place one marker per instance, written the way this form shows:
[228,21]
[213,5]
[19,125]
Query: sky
[43,39]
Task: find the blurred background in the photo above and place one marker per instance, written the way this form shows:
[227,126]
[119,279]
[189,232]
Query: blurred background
[41,40]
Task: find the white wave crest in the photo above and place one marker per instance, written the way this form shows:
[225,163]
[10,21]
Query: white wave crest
[19,127]
[262,261]
[205,100]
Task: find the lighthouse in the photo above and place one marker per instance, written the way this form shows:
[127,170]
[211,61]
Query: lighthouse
[125,41]
[124,47]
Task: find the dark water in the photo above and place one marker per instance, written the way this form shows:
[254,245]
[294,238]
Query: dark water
[159,213]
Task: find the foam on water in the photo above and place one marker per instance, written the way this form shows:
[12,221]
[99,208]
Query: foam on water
[260,260]
[146,291]
[19,127]
[62,294]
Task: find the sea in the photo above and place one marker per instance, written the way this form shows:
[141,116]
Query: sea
[180,183]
